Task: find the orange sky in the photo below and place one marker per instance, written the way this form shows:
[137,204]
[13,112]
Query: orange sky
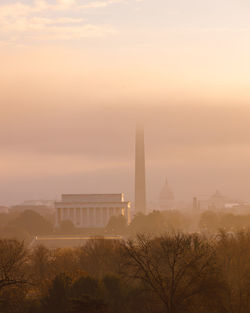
[75,75]
[82,149]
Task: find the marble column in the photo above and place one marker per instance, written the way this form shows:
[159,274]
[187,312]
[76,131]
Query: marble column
[81,217]
[102,216]
[87,217]
[90,217]
[95,217]
[105,216]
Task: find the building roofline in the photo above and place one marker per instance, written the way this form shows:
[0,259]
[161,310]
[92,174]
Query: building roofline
[83,202]
[92,194]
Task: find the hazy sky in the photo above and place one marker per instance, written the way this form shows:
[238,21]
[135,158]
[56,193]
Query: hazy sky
[75,74]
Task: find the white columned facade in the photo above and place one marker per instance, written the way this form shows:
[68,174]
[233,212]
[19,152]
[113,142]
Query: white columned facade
[95,217]
[90,211]
[81,217]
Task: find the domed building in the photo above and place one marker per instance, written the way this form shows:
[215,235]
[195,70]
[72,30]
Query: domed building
[217,200]
[166,198]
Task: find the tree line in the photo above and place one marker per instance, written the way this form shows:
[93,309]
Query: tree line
[25,225]
[169,273]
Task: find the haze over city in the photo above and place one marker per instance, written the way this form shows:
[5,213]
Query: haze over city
[199,148]
[124,156]
[76,75]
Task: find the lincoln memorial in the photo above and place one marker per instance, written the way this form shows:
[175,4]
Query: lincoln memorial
[91,210]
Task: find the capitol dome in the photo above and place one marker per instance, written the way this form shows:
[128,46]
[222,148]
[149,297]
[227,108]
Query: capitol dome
[166,197]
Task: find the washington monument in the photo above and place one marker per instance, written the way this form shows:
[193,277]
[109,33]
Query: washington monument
[140,182]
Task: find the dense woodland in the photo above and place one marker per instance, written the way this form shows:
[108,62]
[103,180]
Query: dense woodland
[171,273]
[178,263]
[25,225]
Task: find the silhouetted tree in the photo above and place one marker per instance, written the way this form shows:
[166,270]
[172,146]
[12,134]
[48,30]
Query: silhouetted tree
[65,261]
[234,254]
[117,225]
[177,268]
[67,228]
[100,257]
[40,268]
[86,304]
[175,221]
[12,259]
[57,299]
[16,232]
[85,285]
[153,224]
[209,221]
[115,292]
[172,273]
[33,223]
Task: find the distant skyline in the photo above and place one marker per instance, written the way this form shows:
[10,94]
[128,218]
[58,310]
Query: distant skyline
[75,75]
[199,149]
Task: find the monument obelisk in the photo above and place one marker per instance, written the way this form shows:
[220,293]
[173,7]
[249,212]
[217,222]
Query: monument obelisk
[140,180]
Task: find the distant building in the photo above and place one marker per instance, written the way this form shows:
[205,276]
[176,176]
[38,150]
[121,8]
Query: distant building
[216,201]
[166,198]
[47,203]
[40,209]
[91,210]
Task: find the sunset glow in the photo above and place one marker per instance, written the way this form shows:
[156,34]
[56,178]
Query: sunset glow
[75,75]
